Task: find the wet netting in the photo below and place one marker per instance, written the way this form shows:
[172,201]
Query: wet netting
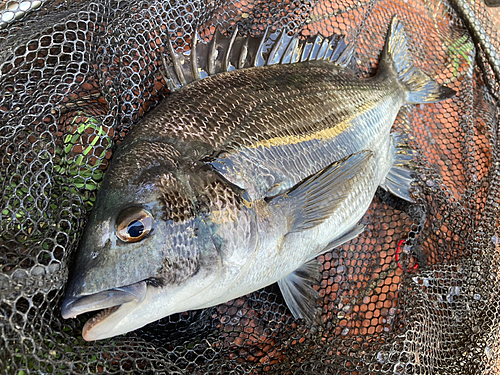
[417,293]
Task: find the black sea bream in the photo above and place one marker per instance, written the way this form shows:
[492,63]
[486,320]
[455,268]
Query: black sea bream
[241,178]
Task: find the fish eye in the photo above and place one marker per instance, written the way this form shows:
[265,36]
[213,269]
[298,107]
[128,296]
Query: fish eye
[133,224]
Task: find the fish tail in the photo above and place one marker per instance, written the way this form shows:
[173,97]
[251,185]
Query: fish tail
[419,87]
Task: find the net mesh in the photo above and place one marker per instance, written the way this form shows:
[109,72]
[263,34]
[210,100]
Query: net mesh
[416,293]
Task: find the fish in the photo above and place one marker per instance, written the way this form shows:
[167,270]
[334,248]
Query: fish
[266,154]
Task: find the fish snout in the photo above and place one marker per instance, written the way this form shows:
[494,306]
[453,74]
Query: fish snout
[73,306]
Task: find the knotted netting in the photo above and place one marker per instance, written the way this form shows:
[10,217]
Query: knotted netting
[417,293]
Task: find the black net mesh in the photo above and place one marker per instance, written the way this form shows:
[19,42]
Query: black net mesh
[417,293]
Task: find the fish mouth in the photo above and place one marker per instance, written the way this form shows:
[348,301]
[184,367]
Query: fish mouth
[108,301]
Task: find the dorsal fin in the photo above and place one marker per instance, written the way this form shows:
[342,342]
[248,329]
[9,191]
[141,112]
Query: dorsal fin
[224,54]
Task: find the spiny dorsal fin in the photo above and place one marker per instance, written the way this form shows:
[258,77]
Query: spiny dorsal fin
[224,54]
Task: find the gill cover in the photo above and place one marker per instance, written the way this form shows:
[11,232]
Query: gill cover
[146,227]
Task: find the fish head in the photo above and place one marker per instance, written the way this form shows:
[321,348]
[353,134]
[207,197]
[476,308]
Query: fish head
[151,247]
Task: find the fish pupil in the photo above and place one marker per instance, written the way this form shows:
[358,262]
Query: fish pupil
[135,228]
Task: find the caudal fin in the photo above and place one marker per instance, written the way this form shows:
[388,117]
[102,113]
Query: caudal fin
[420,88]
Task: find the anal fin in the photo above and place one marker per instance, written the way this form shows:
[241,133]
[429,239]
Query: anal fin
[298,287]
[399,178]
[299,293]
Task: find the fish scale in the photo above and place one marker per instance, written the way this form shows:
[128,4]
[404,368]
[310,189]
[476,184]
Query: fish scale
[297,113]
[300,147]
[241,179]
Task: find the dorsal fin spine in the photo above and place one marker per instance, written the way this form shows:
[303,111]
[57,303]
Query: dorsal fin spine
[177,64]
[212,55]
[322,51]
[296,52]
[194,55]
[315,48]
[274,51]
[306,51]
[170,81]
[287,55]
[243,54]
[260,48]
[229,50]
[329,50]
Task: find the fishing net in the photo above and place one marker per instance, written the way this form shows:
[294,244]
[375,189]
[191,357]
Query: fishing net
[417,293]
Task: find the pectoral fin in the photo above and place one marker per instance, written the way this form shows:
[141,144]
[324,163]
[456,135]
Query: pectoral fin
[314,200]
[298,292]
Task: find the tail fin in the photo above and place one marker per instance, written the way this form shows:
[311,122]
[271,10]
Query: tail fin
[420,88]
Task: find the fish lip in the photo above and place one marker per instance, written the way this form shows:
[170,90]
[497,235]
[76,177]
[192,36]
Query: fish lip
[95,321]
[73,306]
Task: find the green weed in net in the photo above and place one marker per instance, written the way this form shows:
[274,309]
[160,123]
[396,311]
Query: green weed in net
[462,47]
[83,167]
